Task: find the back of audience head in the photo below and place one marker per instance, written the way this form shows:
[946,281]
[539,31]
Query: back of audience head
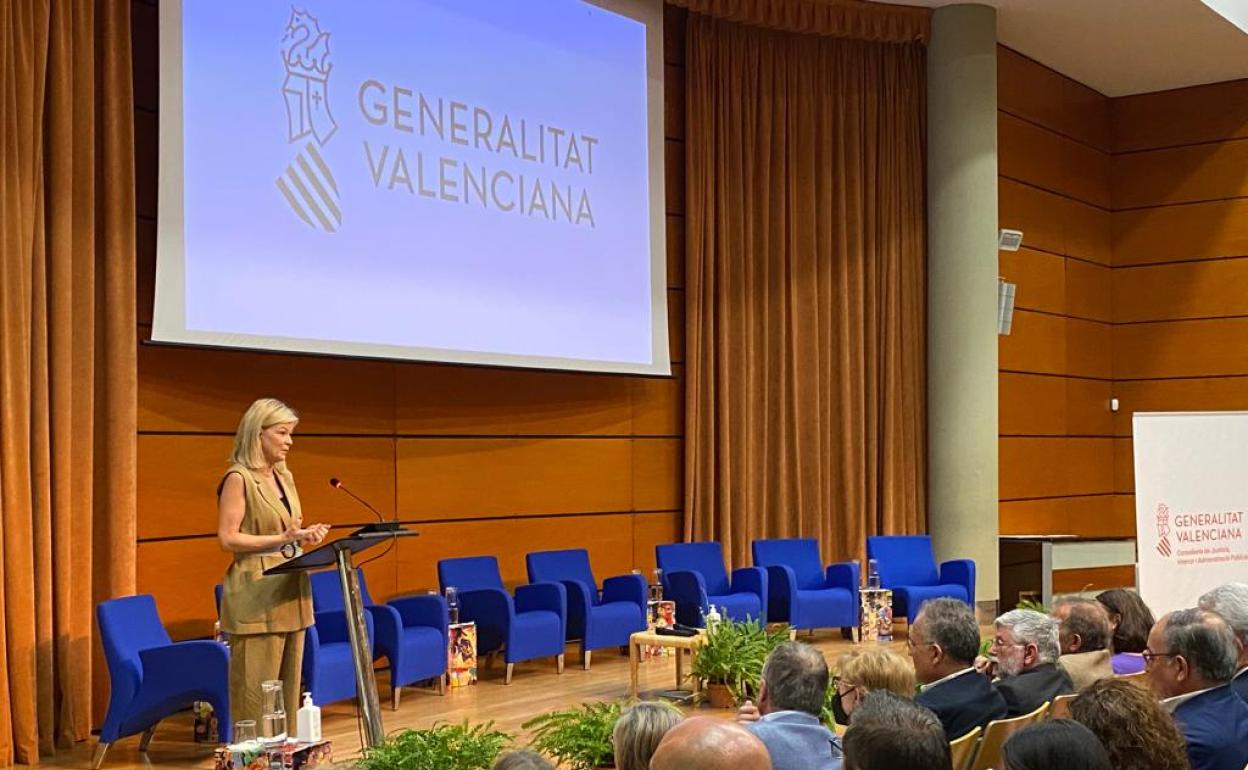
[795,678]
[1190,650]
[862,671]
[1132,726]
[638,731]
[943,639]
[1055,744]
[521,760]
[1129,617]
[1231,602]
[891,732]
[1025,639]
[1083,625]
[707,743]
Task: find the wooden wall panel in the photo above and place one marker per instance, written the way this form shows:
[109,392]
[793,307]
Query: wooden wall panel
[1093,579]
[1031,405]
[1042,96]
[1124,466]
[1087,407]
[1087,516]
[1178,395]
[1041,274]
[1181,233]
[1053,223]
[1187,290]
[1200,172]
[178,476]
[1088,348]
[651,529]
[1036,343]
[1208,113]
[1181,349]
[658,474]
[1088,291]
[1048,160]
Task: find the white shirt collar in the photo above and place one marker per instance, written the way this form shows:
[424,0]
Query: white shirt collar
[942,680]
[1240,672]
[1170,704]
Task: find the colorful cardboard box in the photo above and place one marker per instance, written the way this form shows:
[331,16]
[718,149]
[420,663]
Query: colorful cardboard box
[205,722]
[461,655]
[662,614]
[877,615]
[289,756]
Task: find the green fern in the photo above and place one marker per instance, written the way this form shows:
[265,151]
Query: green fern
[734,653]
[444,747]
[579,738]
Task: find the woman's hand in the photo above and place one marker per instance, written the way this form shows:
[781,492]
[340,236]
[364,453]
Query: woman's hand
[314,534]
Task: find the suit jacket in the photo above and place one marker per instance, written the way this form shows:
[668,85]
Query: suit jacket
[1084,668]
[251,602]
[1215,724]
[798,741]
[1026,692]
[964,703]
[1240,684]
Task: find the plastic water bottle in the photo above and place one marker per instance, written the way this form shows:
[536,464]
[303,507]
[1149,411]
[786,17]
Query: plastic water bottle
[873,575]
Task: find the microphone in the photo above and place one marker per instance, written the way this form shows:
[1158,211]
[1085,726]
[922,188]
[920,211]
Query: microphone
[336,484]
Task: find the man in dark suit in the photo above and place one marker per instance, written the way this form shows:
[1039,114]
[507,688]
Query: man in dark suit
[1231,602]
[943,641]
[1026,650]
[1190,660]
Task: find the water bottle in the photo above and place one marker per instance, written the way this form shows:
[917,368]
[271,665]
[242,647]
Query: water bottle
[452,604]
[873,575]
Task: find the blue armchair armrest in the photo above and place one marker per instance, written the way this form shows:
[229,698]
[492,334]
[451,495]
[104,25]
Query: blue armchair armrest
[580,599]
[960,572]
[781,590]
[626,588]
[171,663]
[422,610]
[387,629]
[753,580]
[845,574]
[688,590]
[552,597]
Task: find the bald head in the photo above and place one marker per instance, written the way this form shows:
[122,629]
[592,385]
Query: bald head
[706,743]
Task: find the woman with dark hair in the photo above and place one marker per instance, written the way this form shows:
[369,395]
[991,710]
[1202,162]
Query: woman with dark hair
[1133,727]
[1055,744]
[1130,619]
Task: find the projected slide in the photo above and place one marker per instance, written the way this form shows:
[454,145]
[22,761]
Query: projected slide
[474,181]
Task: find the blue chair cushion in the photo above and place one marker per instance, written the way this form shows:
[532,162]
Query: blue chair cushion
[832,604]
[335,674]
[618,614]
[535,634]
[738,606]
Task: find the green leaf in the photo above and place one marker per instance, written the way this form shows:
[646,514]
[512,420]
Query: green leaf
[578,738]
[446,747]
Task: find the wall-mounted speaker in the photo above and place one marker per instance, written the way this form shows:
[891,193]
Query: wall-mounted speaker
[1005,306]
[1009,240]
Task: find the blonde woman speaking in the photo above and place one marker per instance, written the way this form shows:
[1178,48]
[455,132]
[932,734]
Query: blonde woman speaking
[259,521]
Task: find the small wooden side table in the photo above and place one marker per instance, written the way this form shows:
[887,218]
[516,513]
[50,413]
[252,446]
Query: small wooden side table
[639,641]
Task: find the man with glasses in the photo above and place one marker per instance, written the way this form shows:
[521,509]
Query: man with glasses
[942,642]
[1190,658]
[1025,651]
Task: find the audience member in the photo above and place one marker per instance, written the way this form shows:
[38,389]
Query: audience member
[861,671]
[638,731]
[943,642]
[1083,635]
[1026,653]
[891,732]
[1130,620]
[1055,744]
[788,718]
[707,743]
[1231,602]
[1190,660]
[521,760]
[1135,730]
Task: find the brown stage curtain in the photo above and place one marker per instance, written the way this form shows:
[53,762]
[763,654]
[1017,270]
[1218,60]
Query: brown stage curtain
[853,19]
[67,359]
[805,288]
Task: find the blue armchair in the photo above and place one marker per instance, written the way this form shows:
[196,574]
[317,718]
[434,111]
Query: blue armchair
[151,677]
[328,667]
[410,631]
[800,592]
[694,577]
[599,619]
[906,566]
[532,625]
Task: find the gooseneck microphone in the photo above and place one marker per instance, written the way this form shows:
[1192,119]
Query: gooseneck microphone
[336,484]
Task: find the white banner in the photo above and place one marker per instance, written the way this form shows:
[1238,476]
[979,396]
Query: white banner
[1191,491]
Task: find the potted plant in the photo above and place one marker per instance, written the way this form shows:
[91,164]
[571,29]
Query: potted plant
[446,747]
[730,661]
[578,738]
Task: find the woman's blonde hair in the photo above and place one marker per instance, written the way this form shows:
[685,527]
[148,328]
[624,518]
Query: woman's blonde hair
[877,669]
[263,413]
[638,731]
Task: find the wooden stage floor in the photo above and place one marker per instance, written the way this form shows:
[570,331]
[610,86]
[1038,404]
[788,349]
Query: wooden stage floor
[535,689]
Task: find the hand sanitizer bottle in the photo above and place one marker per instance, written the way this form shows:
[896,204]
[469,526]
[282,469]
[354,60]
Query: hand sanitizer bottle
[309,720]
[712,619]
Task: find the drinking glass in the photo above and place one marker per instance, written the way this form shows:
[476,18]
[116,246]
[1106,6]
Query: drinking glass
[452,604]
[273,727]
[245,731]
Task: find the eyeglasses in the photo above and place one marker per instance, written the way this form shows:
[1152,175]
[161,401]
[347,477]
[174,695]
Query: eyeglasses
[842,687]
[1149,656]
